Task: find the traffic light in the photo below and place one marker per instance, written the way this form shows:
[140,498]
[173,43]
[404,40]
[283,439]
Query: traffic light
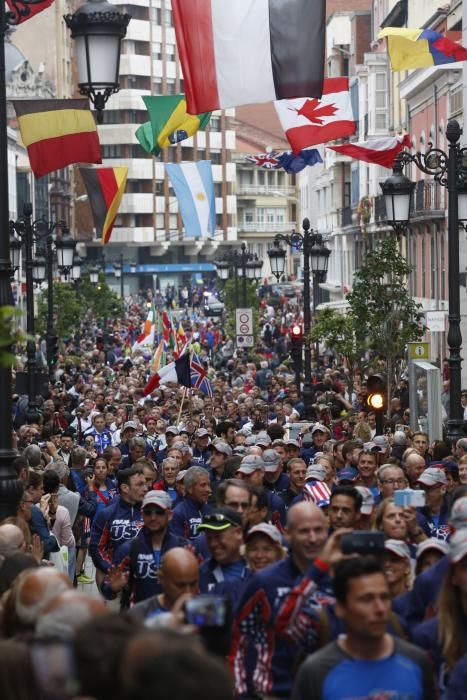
[376,398]
[52,350]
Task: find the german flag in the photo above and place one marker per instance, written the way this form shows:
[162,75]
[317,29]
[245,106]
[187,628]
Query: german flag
[105,188]
[57,133]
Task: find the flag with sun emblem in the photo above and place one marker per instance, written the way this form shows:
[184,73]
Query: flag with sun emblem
[194,188]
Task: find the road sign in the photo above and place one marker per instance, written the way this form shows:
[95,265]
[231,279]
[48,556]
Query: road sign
[419,351]
[436,321]
[244,322]
[244,341]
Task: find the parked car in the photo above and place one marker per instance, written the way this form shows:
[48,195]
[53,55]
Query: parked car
[213,306]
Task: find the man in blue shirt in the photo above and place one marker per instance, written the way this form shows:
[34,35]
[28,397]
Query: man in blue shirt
[366,662]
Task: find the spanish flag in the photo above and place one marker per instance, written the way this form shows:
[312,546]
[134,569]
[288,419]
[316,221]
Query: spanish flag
[57,133]
[105,188]
[420,48]
[170,123]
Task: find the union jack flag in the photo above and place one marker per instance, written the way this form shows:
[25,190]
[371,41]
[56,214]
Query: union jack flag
[199,379]
[265,160]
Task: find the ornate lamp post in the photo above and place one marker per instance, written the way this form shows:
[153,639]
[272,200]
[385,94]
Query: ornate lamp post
[450,170]
[241,264]
[312,246]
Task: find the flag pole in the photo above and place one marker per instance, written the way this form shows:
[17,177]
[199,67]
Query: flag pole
[181,406]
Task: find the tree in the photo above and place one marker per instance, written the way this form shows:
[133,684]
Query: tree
[100,299]
[386,315]
[229,297]
[68,309]
[341,333]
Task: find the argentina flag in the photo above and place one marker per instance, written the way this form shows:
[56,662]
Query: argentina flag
[194,187]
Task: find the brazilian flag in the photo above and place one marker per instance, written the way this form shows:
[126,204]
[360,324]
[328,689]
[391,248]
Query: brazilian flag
[169,122]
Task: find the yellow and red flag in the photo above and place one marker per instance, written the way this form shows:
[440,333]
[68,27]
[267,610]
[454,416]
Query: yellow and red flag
[105,188]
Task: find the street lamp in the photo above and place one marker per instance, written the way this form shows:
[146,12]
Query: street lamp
[243,265]
[65,252]
[311,245]
[76,268]
[98,29]
[450,170]
[94,274]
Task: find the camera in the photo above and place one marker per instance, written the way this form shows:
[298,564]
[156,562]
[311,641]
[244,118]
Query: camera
[409,497]
[207,611]
[363,542]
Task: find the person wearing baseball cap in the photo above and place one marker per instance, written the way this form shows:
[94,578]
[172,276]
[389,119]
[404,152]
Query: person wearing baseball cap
[429,552]
[263,546]
[274,478]
[252,470]
[293,448]
[433,517]
[201,450]
[397,566]
[223,528]
[319,434]
[137,562]
[423,597]
[220,453]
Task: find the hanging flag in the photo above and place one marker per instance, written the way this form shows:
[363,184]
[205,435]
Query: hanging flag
[105,188]
[249,51]
[420,48]
[275,160]
[31,10]
[169,122]
[199,379]
[177,372]
[308,121]
[194,187]
[57,133]
[148,334]
[293,164]
[379,151]
[270,160]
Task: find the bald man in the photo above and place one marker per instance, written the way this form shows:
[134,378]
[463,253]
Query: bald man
[32,591]
[263,599]
[11,539]
[178,576]
[64,613]
[414,465]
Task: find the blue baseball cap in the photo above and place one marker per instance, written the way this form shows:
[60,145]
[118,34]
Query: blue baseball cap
[347,474]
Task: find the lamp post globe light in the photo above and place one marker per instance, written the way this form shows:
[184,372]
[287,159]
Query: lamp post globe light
[312,246]
[94,274]
[98,29]
[243,265]
[449,170]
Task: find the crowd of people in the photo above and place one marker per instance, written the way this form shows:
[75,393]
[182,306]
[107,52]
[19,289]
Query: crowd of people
[218,544]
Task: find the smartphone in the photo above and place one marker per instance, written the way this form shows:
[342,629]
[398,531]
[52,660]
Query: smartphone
[363,542]
[409,497]
[129,410]
[207,611]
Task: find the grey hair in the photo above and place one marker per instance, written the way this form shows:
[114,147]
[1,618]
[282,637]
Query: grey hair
[78,455]
[11,538]
[137,442]
[383,468]
[33,455]
[462,443]
[60,468]
[192,475]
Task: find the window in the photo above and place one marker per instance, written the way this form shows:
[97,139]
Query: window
[260,214]
[157,51]
[215,123]
[215,157]
[112,151]
[182,86]
[354,99]
[270,216]
[381,107]
[41,198]
[280,216]
[347,194]
[433,266]
[168,18]
[170,89]
[156,15]
[22,191]
[157,86]
[170,52]
[249,218]
[261,177]
[423,265]
[159,188]
[218,189]
[443,267]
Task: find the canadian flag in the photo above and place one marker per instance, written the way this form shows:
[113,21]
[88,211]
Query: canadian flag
[307,121]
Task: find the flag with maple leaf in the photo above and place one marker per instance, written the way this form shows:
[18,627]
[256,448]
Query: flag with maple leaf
[307,121]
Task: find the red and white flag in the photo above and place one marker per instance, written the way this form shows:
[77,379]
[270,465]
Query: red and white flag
[236,52]
[307,120]
[379,151]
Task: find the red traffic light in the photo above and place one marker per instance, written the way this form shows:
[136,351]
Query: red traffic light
[296,332]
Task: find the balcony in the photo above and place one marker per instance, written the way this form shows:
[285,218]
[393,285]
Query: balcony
[268,190]
[429,201]
[258,227]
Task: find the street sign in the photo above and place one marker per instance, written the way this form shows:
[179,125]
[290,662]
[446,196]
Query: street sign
[436,321]
[419,351]
[244,322]
[244,341]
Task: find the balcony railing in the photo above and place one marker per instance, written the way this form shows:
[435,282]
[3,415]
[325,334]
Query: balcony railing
[429,195]
[274,190]
[264,228]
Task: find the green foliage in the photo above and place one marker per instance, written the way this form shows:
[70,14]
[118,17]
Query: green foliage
[68,309]
[8,335]
[100,299]
[385,313]
[340,332]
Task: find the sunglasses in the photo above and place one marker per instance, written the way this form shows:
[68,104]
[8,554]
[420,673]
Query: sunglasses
[154,511]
